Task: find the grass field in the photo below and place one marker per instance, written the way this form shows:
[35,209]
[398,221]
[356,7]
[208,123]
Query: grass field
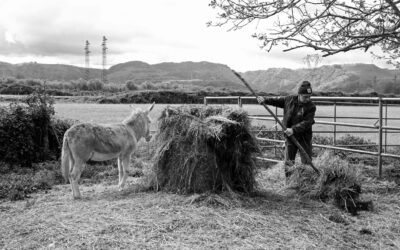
[109,113]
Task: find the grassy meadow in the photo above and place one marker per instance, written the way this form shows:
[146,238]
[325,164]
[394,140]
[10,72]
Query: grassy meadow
[109,113]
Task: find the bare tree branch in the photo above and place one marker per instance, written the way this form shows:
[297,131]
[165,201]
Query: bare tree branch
[328,26]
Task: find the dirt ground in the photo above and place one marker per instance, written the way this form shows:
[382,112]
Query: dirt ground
[275,219]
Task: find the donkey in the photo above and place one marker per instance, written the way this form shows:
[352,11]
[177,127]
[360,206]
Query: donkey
[100,142]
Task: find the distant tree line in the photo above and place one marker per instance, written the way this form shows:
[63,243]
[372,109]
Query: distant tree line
[15,86]
[167,91]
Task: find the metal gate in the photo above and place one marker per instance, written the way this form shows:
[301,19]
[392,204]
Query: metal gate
[379,126]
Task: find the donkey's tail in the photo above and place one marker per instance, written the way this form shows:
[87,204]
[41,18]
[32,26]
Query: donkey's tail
[66,158]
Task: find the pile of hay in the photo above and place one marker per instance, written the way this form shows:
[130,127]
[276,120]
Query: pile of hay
[204,149]
[338,182]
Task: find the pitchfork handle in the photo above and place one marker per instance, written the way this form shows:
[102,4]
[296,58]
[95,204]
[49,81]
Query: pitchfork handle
[292,138]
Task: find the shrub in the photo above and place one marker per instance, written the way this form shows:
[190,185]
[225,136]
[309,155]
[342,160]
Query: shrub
[95,84]
[50,170]
[147,85]
[17,89]
[10,80]
[164,85]
[56,134]
[131,85]
[79,84]
[356,140]
[19,186]
[26,132]
[16,136]
[54,92]
[114,87]
[15,187]
[33,82]
[44,179]
[151,85]
[40,110]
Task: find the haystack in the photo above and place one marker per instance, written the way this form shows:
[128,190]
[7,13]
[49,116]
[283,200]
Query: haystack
[204,149]
[338,182]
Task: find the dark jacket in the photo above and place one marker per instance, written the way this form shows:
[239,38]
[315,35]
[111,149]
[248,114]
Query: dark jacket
[296,115]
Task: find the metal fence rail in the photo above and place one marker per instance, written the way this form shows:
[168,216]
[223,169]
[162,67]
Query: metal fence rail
[379,126]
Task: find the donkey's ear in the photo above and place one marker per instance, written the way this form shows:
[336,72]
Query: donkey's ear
[151,107]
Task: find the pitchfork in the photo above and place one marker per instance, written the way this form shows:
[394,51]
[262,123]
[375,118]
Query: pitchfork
[292,138]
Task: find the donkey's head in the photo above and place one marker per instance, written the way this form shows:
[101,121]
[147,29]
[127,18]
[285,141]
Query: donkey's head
[139,121]
[147,135]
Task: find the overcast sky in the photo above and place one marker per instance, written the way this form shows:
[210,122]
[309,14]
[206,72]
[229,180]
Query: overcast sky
[153,31]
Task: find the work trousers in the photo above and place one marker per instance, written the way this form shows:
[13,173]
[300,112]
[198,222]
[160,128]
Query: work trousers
[290,154]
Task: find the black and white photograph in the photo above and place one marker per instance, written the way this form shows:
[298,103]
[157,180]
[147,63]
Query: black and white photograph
[200,124]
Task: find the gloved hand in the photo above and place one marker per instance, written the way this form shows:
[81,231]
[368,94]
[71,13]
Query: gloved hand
[289,131]
[260,99]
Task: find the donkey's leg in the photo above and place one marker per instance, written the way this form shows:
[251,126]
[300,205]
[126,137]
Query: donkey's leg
[70,167]
[75,175]
[120,172]
[125,164]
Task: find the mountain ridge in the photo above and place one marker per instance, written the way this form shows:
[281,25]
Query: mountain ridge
[338,77]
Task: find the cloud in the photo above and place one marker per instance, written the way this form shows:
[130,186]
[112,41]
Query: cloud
[61,27]
[8,43]
[9,37]
[152,31]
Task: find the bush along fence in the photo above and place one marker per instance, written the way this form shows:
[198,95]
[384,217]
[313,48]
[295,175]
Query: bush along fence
[380,126]
[29,133]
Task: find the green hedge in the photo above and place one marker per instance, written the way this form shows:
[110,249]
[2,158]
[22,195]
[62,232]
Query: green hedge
[29,133]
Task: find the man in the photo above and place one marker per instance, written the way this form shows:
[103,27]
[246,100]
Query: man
[298,118]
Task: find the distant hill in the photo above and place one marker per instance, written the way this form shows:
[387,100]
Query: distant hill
[198,73]
[51,72]
[210,74]
[348,78]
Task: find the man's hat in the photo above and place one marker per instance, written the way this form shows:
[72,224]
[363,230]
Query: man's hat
[305,88]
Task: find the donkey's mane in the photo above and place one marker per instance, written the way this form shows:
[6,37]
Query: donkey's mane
[133,116]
